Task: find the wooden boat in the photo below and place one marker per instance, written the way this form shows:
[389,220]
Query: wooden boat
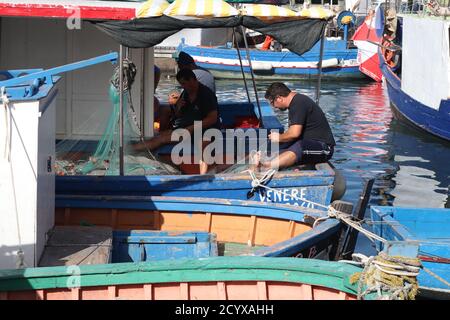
[316,185]
[220,278]
[239,227]
[223,62]
[422,233]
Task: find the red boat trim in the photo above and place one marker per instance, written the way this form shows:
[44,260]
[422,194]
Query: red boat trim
[66,11]
[433,259]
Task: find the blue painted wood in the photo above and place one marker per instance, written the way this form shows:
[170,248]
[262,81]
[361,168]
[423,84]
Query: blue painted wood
[140,245]
[422,232]
[313,185]
[189,205]
[333,49]
[49,73]
[436,122]
[308,244]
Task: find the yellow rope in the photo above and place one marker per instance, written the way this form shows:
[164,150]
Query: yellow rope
[392,277]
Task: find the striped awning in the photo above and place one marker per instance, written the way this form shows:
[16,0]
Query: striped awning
[316,13]
[267,11]
[201,9]
[219,8]
[152,8]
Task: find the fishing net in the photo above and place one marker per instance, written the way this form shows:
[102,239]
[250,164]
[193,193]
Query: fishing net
[102,157]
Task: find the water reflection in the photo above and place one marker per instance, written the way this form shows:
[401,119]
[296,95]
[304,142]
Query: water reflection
[411,168]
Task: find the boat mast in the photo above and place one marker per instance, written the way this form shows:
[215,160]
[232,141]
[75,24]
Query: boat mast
[253,76]
[240,62]
[319,79]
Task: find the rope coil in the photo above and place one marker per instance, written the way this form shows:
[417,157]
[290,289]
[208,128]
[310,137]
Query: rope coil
[391,277]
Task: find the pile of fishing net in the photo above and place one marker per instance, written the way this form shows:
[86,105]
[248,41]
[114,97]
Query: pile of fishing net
[87,157]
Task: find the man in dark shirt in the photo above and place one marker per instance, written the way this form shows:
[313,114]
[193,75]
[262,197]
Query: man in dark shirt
[196,103]
[308,139]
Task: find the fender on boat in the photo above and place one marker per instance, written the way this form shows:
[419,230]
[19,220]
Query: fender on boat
[339,185]
[329,63]
[261,66]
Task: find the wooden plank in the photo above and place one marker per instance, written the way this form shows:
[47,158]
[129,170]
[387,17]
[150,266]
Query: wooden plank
[291,231]
[148,292]
[70,245]
[262,290]
[252,231]
[307,292]
[184,291]
[75,293]
[208,218]
[221,290]
[40,295]
[112,292]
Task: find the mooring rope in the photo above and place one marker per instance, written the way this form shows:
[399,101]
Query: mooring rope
[391,277]
[331,212]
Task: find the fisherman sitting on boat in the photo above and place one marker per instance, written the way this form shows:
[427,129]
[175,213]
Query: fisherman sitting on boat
[308,139]
[196,103]
[185,61]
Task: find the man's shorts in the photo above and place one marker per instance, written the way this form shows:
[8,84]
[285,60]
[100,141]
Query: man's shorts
[309,151]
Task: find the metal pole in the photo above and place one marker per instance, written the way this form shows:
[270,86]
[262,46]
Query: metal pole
[319,80]
[242,67]
[142,92]
[253,76]
[121,111]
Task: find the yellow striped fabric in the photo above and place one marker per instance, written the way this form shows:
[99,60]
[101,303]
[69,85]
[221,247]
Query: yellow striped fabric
[152,8]
[267,11]
[200,8]
[316,13]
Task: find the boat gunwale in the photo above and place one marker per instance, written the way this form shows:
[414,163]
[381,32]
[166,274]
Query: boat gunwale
[215,205]
[333,275]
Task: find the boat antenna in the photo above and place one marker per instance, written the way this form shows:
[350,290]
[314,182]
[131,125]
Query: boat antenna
[319,78]
[253,76]
[235,42]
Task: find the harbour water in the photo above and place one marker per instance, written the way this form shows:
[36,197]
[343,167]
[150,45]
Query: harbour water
[411,168]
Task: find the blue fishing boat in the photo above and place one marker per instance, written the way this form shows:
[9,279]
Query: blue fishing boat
[158,228]
[418,232]
[339,61]
[416,74]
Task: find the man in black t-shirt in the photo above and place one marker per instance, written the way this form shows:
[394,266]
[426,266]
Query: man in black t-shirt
[196,103]
[308,139]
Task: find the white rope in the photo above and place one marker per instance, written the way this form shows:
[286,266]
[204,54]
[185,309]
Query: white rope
[20,263]
[332,212]
[401,269]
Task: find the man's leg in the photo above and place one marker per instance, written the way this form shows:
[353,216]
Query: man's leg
[284,160]
[165,114]
[155,142]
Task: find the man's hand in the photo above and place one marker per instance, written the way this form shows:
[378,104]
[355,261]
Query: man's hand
[180,105]
[274,137]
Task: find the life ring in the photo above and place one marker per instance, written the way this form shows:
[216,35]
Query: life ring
[388,54]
